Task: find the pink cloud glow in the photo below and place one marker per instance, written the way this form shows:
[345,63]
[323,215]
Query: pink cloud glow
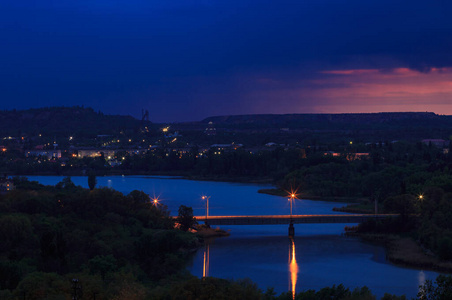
[367,90]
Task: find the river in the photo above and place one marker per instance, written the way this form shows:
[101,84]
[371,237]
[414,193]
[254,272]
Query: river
[318,256]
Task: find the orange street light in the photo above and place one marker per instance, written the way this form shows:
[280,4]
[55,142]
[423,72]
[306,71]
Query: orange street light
[155,201]
[207,205]
[292,197]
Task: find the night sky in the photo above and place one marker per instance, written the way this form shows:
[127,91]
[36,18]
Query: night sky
[185,60]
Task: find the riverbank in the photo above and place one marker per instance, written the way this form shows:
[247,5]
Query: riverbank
[405,252]
[356,208]
[183,175]
[209,232]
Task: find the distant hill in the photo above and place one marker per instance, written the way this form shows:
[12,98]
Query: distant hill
[366,126]
[333,121]
[63,121]
[85,122]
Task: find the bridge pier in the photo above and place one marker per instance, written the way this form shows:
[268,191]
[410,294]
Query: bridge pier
[291,230]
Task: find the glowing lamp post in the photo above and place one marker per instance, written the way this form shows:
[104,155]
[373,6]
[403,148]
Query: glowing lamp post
[207,207]
[291,228]
[292,196]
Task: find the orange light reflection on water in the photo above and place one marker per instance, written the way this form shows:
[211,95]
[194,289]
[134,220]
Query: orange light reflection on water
[293,267]
[205,267]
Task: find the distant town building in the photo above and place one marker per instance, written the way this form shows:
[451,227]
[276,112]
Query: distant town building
[107,153]
[232,146]
[357,156]
[49,154]
[95,153]
[271,144]
[210,130]
[349,156]
[332,153]
[436,142]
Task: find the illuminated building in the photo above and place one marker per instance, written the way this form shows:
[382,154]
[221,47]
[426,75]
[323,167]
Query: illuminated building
[210,130]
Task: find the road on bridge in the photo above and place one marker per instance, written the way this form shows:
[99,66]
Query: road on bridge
[287,219]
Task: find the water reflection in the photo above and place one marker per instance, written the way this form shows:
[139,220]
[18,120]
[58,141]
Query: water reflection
[205,267]
[293,266]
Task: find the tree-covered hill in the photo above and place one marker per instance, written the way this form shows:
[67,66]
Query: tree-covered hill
[63,121]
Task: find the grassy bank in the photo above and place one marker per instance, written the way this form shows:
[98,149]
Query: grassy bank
[181,174]
[404,251]
[208,232]
[357,208]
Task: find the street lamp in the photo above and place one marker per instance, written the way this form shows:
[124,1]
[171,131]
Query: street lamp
[291,228]
[155,201]
[207,206]
[292,197]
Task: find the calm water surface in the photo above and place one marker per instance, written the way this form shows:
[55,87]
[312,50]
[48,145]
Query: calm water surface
[318,256]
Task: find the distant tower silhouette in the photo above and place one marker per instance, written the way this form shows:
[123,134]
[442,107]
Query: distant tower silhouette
[144,120]
[144,115]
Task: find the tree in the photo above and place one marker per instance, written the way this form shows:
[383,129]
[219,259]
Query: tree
[102,265]
[92,180]
[66,183]
[39,285]
[185,218]
[441,289]
[401,204]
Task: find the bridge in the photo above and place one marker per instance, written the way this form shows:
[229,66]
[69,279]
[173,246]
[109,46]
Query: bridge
[287,219]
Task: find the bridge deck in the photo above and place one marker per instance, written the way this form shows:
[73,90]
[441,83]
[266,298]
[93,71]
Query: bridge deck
[284,219]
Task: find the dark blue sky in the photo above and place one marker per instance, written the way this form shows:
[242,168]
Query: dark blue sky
[187,60]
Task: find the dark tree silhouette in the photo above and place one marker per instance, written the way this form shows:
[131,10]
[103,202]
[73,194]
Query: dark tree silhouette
[92,180]
[185,218]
